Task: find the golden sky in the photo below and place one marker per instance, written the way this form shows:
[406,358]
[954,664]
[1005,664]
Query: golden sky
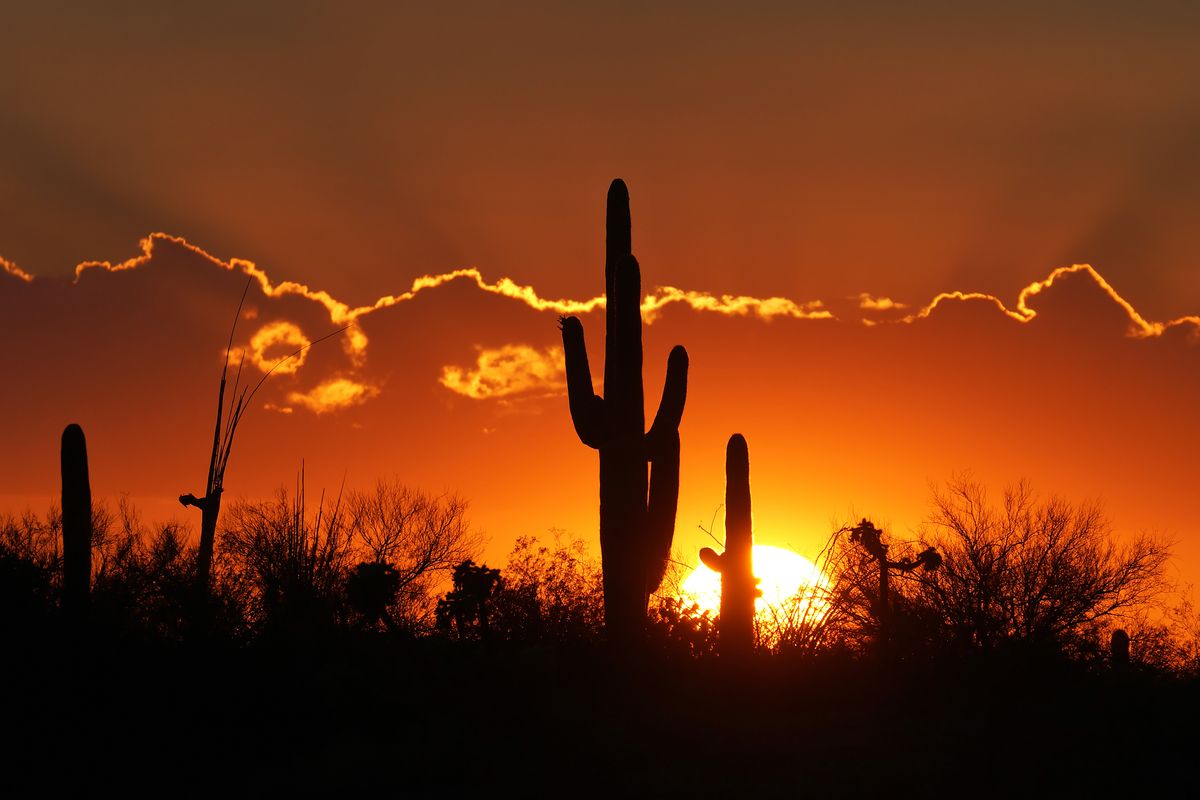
[793,171]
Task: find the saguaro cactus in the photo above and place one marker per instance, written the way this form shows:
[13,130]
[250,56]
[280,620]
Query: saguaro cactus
[739,587]
[76,522]
[639,470]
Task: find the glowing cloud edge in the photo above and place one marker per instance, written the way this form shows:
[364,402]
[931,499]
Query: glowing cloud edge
[763,308]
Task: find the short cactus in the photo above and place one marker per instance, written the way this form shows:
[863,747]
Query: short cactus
[637,509]
[76,522]
[468,607]
[1118,650]
[739,587]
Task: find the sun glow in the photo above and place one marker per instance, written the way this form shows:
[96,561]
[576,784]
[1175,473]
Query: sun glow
[785,577]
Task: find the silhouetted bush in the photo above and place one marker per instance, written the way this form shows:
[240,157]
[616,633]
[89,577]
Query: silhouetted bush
[466,610]
[28,561]
[1165,640]
[143,579]
[371,590]
[855,623]
[551,593]
[681,628]
[141,575]
[295,562]
[1044,576]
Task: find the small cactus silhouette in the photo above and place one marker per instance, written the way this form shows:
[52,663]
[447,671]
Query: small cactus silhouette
[637,511]
[76,522]
[739,587]
[1118,650]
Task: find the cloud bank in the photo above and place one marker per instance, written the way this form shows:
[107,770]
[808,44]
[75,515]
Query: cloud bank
[510,368]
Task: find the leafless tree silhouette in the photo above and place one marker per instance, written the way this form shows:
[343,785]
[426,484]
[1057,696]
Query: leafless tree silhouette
[422,537]
[1041,571]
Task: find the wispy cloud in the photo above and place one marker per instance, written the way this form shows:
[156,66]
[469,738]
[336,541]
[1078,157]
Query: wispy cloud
[343,314]
[334,394]
[508,370]
[1139,326]
[273,342]
[516,369]
[734,305]
[12,269]
[869,303]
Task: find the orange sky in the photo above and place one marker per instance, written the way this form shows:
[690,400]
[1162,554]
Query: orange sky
[779,153]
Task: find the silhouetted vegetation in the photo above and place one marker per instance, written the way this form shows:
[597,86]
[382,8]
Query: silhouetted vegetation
[870,538]
[739,587]
[419,537]
[467,609]
[308,680]
[1037,573]
[297,561]
[637,512]
[76,524]
[228,418]
[360,643]
[551,594]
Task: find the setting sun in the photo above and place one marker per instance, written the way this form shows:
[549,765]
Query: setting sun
[783,575]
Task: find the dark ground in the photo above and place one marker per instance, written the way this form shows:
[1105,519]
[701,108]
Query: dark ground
[436,718]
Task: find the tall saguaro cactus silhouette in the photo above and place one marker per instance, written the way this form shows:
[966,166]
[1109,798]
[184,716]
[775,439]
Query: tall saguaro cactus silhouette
[76,523]
[639,470]
[739,587]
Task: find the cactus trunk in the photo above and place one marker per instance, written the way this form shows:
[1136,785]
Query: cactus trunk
[639,470]
[739,587]
[76,523]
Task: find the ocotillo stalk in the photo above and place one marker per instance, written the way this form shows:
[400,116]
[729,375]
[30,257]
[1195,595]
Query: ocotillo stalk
[223,432]
[637,504]
[739,587]
[76,523]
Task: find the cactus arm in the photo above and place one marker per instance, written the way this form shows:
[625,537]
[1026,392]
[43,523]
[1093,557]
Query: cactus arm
[662,447]
[661,508]
[587,409]
[670,407]
[711,559]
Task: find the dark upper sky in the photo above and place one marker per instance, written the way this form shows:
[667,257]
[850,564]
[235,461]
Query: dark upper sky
[781,148]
